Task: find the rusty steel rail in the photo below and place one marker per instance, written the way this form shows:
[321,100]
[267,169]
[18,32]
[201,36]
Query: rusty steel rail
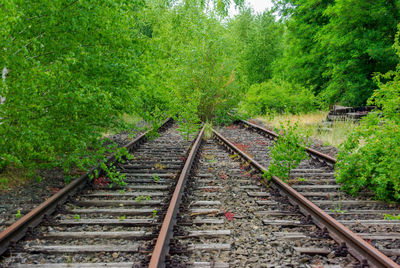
[273,135]
[162,245]
[359,248]
[18,229]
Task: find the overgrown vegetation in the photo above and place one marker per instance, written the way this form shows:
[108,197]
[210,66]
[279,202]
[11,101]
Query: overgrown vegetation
[371,157]
[334,47]
[69,73]
[287,152]
[278,97]
[330,48]
[72,69]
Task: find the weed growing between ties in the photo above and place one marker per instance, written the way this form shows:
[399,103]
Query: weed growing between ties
[338,209]
[114,177]
[156,178]
[392,217]
[143,197]
[18,214]
[287,153]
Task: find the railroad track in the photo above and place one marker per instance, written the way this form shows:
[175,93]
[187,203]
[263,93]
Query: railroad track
[103,226]
[219,212]
[362,215]
[219,225]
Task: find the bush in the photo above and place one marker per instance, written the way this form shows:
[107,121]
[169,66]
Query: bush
[370,158]
[288,152]
[278,96]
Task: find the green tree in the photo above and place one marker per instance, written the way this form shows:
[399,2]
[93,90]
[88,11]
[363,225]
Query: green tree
[72,70]
[190,60]
[259,43]
[358,42]
[303,60]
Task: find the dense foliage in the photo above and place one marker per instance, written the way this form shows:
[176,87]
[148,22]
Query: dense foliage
[71,68]
[258,41]
[278,96]
[371,156]
[191,62]
[335,47]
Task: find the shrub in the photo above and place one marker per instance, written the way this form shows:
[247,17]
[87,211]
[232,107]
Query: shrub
[278,96]
[287,153]
[370,158]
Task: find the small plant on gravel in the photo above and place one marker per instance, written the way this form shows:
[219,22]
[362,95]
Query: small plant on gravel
[338,210]
[67,179]
[159,166]
[142,197]
[301,179]
[121,218]
[122,191]
[339,207]
[326,144]
[154,213]
[287,153]
[38,179]
[233,156]
[392,217]
[212,160]
[18,214]
[156,178]
[77,217]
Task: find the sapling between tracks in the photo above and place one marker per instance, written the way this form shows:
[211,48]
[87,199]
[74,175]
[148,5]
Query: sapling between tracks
[287,153]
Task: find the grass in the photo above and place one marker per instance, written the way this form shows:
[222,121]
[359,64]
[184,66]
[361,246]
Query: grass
[310,124]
